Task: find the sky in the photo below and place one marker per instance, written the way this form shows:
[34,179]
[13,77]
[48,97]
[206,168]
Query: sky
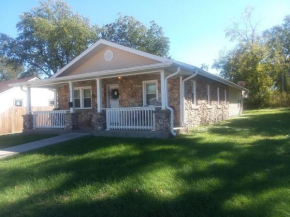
[196,28]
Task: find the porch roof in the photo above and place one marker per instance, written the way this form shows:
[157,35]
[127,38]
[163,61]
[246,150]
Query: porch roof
[186,69]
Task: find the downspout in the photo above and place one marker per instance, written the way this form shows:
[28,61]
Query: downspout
[182,94]
[166,101]
[21,88]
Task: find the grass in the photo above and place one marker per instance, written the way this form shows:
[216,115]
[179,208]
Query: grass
[18,139]
[236,168]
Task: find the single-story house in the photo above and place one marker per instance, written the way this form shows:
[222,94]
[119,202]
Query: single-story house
[110,87]
[16,96]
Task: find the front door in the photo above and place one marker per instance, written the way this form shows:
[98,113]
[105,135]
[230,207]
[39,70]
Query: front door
[113,96]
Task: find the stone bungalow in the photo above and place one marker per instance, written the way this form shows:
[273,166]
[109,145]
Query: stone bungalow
[112,88]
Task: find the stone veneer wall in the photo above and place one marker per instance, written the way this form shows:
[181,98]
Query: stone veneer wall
[131,94]
[204,113]
[174,98]
[130,89]
[162,120]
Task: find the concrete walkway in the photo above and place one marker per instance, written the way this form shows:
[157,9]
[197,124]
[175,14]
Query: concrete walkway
[39,144]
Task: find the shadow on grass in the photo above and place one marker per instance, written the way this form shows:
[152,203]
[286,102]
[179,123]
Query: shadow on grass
[186,176]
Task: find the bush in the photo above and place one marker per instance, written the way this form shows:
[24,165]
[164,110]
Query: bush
[278,99]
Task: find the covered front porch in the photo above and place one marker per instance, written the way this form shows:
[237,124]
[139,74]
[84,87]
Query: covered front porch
[125,102]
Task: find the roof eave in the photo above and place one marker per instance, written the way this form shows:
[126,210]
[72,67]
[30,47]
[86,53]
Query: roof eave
[93,75]
[211,76]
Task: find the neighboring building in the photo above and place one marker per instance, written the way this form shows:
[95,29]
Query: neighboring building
[16,96]
[112,87]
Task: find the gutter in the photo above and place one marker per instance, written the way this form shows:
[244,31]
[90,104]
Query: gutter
[92,75]
[182,95]
[21,88]
[166,101]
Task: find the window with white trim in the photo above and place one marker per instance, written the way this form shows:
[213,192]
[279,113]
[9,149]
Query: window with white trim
[150,92]
[193,93]
[218,95]
[83,97]
[18,102]
[208,94]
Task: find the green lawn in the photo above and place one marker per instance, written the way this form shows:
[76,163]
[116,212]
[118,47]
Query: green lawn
[238,168]
[18,139]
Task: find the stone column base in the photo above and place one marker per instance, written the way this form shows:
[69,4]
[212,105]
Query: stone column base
[71,121]
[27,121]
[162,120]
[99,121]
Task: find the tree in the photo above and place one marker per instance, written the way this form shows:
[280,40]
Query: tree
[49,37]
[277,40]
[9,71]
[204,66]
[246,61]
[128,31]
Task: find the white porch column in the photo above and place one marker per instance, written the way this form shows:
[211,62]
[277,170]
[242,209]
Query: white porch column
[55,98]
[99,94]
[71,97]
[28,101]
[163,92]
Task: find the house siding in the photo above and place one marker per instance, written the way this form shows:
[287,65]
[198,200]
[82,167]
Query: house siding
[121,59]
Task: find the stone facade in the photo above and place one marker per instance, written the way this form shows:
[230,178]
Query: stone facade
[131,89]
[162,120]
[174,98]
[71,121]
[205,113]
[99,120]
[27,121]
[131,95]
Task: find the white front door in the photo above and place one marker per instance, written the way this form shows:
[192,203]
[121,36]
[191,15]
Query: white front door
[112,96]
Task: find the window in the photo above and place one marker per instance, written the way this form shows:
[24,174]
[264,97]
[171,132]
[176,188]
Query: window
[150,92]
[51,102]
[18,102]
[218,96]
[83,97]
[193,94]
[208,94]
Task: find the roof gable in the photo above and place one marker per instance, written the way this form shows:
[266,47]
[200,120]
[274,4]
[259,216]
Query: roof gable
[92,59]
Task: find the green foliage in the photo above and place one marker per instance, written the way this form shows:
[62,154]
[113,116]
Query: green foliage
[278,99]
[9,70]
[204,66]
[262,61]
[128,31]
[277,40]
[236,168]
[51,35]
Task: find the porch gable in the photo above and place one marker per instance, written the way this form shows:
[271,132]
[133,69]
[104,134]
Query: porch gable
[105,55]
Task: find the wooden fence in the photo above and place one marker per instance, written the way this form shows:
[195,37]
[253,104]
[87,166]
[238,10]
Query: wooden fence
[11,121]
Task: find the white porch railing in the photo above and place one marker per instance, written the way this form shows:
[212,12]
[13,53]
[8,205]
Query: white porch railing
[49,119]
[133,118]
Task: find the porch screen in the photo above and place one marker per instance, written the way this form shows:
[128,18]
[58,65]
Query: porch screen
[151,92]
